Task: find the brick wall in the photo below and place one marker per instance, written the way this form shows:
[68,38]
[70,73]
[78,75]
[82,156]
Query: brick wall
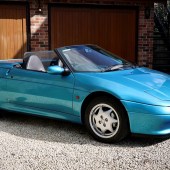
[39,28]
[145,38]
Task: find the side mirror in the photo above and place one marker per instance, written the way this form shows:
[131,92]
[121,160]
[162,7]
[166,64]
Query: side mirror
[55,70]
[58,70]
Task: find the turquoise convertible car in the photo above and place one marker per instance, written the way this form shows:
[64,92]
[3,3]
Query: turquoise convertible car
[88,85]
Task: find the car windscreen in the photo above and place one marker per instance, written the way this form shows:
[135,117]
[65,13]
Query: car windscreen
[89,58]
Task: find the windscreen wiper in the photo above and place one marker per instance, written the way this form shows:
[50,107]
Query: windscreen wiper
[118,67]
[114,67]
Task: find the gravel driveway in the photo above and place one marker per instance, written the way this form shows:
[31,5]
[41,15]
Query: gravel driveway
[28,142]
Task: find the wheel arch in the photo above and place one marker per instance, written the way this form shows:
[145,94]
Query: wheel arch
[94,95]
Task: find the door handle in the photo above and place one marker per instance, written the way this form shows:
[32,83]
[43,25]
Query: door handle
[7,73]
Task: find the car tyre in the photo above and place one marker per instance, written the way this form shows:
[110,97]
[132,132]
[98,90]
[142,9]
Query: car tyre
[106,120]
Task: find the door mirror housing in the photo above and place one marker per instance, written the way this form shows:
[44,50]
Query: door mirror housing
[55,70]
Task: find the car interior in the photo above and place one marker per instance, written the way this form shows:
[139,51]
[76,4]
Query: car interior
[40,61]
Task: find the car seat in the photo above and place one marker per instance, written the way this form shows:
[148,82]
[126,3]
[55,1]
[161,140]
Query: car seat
[34,63]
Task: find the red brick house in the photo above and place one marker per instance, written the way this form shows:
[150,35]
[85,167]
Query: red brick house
[124,27]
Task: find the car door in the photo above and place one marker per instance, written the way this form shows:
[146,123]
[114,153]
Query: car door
[40,90]
[2,86]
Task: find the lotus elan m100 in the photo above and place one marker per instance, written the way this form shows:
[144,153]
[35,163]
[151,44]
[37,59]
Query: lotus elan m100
[88,85]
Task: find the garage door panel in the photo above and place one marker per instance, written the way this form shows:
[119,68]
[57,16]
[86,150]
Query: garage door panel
[13,36]
[112,29]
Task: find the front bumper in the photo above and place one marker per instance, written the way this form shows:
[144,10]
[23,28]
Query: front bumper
[148,119]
